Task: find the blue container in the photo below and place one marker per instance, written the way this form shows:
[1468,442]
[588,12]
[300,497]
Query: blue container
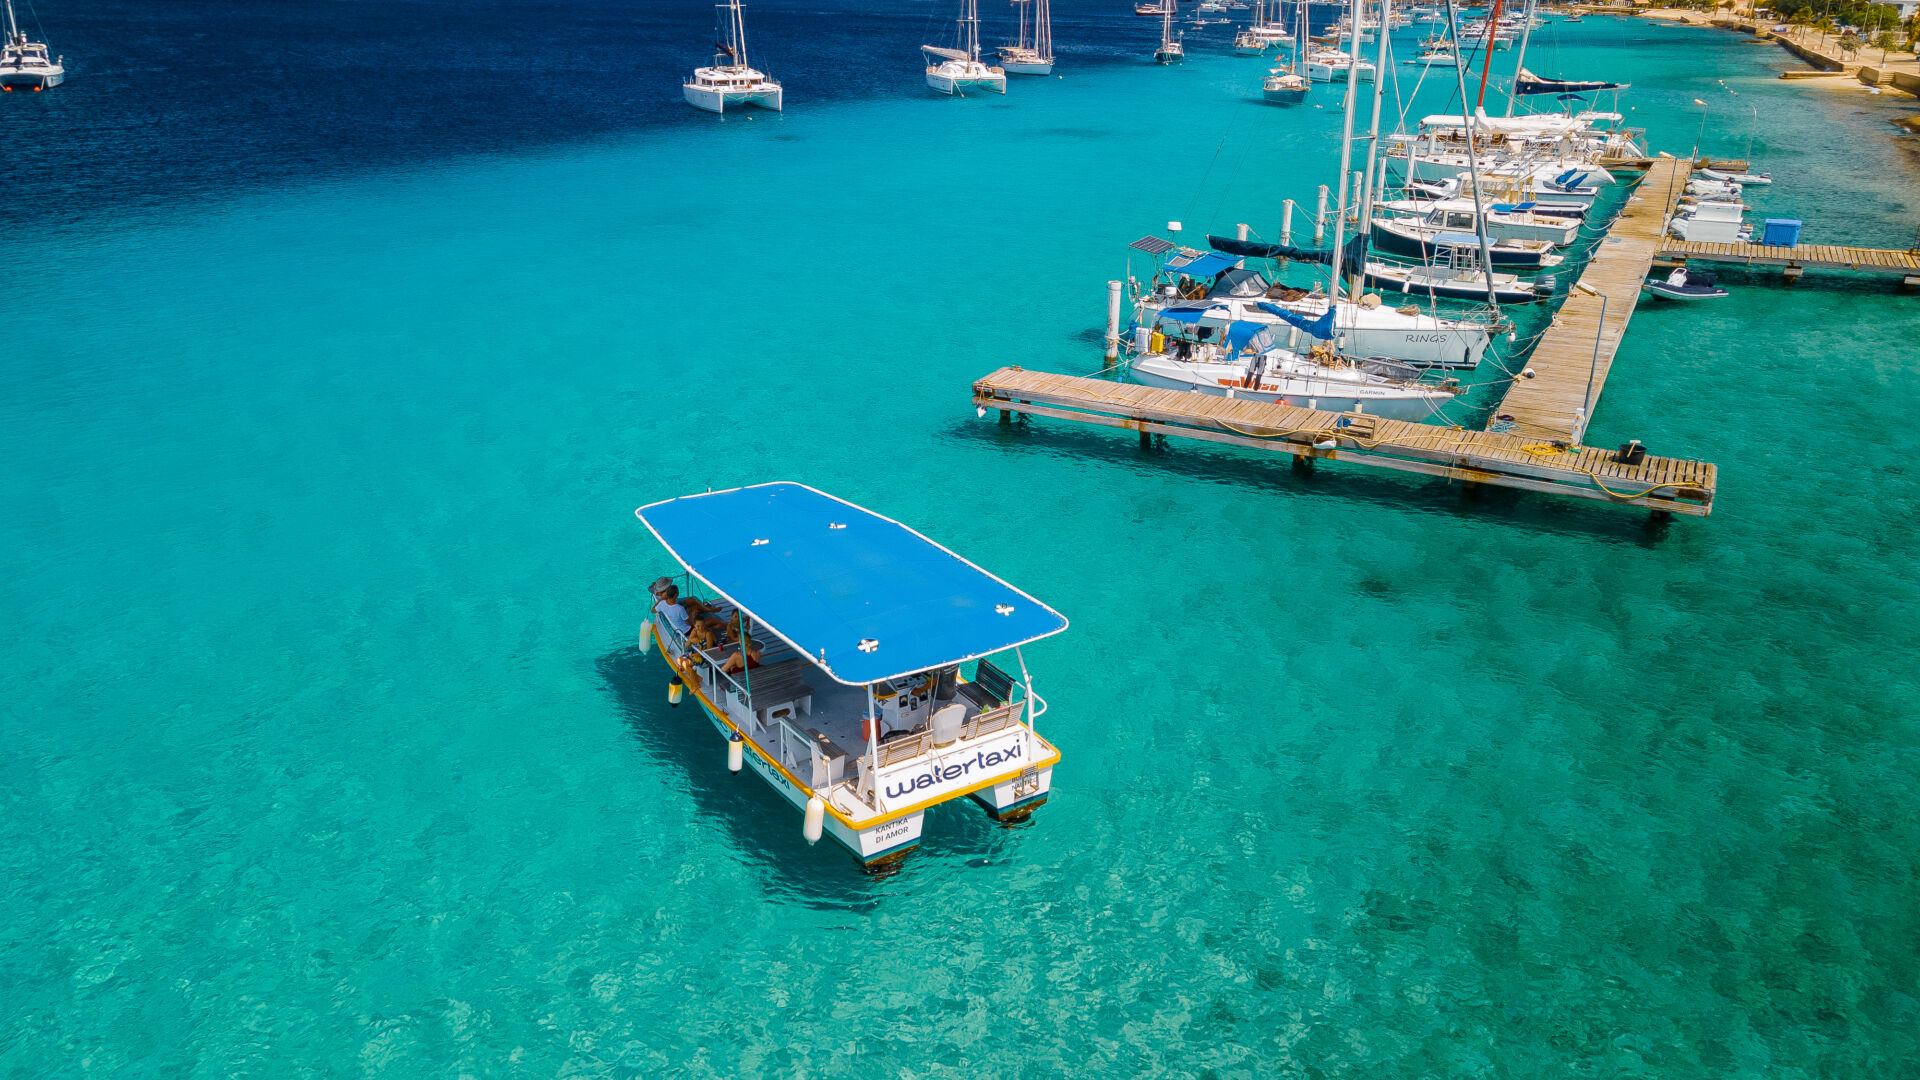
[1781,232]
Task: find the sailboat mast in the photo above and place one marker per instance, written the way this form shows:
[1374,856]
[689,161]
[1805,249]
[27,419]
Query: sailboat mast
[1043,30]
[1368,194]
[739,27]
[1488,31]
[1520,62]
[1346,155]
[1166,23]
[1473,162]
[13,28]
[970,26]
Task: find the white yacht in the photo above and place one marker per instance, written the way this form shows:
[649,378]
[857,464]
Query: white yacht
[1206,350]
[955,71]
[1437,54]
[24,65]
[1032,52]
[1330,65]
[1367,329]
[1264,34]
[730,81]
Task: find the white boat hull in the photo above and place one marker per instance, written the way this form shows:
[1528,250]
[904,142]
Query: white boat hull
[956,77]
[1167,374]
[1319,72]
[718,101]
[1027,67]
[32,79]
[1420,340]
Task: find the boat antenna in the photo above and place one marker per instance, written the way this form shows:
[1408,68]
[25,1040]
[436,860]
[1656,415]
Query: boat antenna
[1520,61]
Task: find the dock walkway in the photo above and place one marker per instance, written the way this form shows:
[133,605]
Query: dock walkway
[1904,264]
[1569,368]
[1504,460]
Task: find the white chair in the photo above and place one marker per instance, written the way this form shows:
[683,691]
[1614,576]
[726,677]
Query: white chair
[947,721]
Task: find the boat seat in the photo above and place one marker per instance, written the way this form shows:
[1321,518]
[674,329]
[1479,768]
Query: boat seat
[990,688]
[774,685]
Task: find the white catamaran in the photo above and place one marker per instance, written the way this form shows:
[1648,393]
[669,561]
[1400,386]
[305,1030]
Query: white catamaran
[730,81]
[1032,51]
[845,659]
[955,71]
[24,65]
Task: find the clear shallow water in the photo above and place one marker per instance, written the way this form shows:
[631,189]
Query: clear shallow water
[327,752]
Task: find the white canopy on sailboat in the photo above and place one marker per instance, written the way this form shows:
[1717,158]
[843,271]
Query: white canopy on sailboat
[1525,126]
[945,54]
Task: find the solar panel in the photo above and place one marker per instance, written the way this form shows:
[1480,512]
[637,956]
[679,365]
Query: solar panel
[1152,245]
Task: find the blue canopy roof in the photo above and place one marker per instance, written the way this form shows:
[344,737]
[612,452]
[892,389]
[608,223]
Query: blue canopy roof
[1202,264]
[1192,315]
[862,596]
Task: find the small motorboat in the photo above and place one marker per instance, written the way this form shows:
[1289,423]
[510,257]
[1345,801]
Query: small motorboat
[1686,285]
[1713,189]
[1741,178]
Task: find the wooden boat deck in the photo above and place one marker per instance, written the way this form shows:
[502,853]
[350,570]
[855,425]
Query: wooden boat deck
[1499,459]
[1568,371]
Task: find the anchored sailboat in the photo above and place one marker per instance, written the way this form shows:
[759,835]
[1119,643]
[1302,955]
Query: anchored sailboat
[729,81]
[1171,51]
[24,64]
[1032,53]
[954,71]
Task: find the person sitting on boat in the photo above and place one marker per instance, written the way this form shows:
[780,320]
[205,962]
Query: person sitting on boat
[746,658]
[711,632]
[667,605]
[1191,289]
[683,615]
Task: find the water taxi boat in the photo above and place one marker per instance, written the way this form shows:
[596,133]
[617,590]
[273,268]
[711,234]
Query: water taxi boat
[866,693]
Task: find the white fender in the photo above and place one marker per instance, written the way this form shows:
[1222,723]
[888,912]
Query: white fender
[736,752]
[816,823]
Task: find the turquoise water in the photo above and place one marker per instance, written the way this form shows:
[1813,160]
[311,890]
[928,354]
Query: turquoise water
[328,752]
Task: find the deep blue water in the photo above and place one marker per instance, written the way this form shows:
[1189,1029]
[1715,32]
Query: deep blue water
[343,348]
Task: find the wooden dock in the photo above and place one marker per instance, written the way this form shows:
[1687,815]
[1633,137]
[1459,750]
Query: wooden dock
[1569,365]
[1503,460]
[1902,264]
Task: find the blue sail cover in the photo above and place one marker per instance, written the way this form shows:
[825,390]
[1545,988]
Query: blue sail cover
[1528,84]
[1200,264]
[863,596]
[1352,261]
[1321,327]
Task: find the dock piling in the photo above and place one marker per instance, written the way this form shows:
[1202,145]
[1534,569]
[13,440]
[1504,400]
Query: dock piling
[1113,321]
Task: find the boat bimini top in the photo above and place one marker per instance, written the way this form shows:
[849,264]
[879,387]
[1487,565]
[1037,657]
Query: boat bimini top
[862,596]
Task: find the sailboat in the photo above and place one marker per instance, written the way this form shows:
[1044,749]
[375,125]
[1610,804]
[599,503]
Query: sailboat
[24,64]
[729,81]
[960,69]
[1286,86]
[1171,51]
[1264,34]
[1030,56]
